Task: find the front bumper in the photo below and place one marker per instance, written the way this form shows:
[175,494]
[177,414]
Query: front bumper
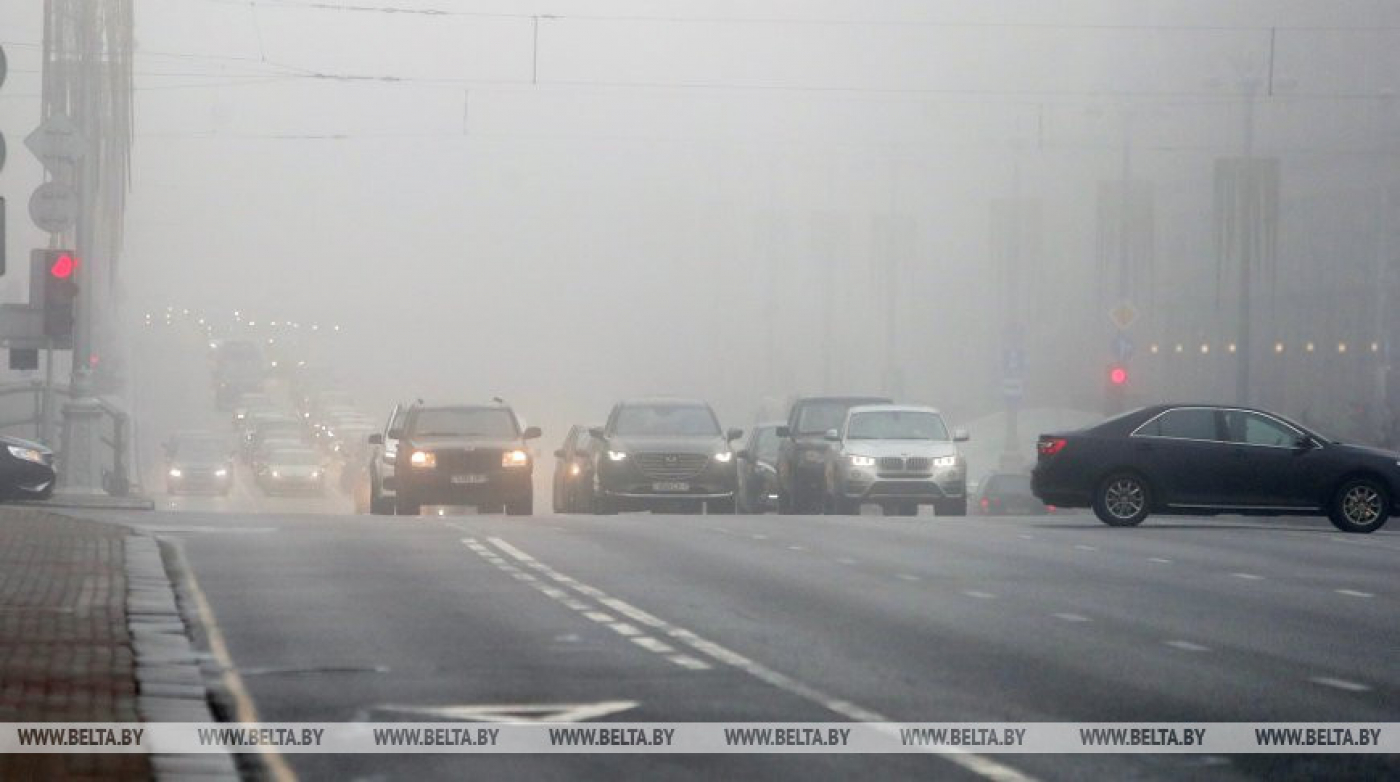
[433,487]
[625,480]
[869,483]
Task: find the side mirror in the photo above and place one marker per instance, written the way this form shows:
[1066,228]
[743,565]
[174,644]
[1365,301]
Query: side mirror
[376,439]
[961,436]
[396,434]
[531,433]
[832,436]
[782,431]
[596,432]
[1304,443]
[559,453]
[734,434]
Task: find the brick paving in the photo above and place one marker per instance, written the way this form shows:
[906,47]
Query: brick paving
[65,648]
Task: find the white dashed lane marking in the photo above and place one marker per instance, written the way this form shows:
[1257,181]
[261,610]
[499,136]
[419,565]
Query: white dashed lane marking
[1159,560]
[797,548]
[1072,617]
[908,577]
[1340,684]
[1083,547]
[845,560]
[981,765]
[1354,593]
[1187,646]
[1248,576]
[979,595]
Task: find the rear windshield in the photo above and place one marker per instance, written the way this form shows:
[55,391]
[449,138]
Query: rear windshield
[200,449]
[464,422]
[666,420]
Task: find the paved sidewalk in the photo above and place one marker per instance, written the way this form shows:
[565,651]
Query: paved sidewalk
[66,652]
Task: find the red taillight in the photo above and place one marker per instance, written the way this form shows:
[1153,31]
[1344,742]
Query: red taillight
[1051,446]
[985,504]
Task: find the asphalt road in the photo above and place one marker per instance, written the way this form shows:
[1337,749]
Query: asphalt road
[337,617]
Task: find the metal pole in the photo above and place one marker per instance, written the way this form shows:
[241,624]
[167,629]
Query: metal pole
[1249,248]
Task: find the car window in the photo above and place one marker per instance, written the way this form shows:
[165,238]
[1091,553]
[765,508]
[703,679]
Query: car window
[897,425]
[664,420]
[1187,423]
[464,422]
[817,417]
[1254,429]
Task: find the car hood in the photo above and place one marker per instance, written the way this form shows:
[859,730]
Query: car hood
[877,448]
[702,445]
[461,443]
[198,464]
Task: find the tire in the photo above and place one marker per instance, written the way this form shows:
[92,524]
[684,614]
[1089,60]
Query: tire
[1361,505]
[381,506]
[1123,500]
[403,507]
[785,504]
[836,505]
[524,507]
[951,507]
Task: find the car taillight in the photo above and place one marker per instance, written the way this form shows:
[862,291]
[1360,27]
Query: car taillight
[985,504]
[1051,446]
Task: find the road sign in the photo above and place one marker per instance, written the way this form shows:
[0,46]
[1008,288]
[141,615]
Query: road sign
[1122,347]
[57,142]
[1123,315]
[1013,362]
[1013,388]
[53,207]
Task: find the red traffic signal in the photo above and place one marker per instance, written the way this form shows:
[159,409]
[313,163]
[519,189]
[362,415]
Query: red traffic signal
[1117,375]
[62,265]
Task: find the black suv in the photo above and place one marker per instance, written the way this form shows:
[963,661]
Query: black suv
[462,455]
[802,448]
[664,454]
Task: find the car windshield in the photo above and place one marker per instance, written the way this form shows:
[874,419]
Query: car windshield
[666,421]
[200,449]
[818,417]
[299,458]
[897,425]
[464,422]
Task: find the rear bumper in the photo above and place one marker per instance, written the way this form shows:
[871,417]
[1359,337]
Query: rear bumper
[1051,491]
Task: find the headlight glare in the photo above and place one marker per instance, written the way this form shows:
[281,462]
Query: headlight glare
[617,456]
[945,461]
[27,454]
[175,472]
[724,457]
[862,461]
[221,473]
[516,458]
[423,459]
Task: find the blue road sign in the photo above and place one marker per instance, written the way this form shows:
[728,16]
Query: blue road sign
[1122,347]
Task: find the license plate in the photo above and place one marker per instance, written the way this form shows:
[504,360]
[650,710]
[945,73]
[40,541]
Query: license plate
[469,479]
[670,486]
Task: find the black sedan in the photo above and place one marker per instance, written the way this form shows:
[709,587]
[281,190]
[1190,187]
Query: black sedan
[26,470]
[1208,459]
[758,470]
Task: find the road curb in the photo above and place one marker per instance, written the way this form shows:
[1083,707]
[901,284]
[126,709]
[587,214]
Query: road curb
[170,682]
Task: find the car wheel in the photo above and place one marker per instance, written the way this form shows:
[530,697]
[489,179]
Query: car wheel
[951,507]
[1361,505]
[525,507]
[1123,500]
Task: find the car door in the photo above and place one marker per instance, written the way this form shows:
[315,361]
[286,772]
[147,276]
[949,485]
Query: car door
[1182,451]
[1267,468]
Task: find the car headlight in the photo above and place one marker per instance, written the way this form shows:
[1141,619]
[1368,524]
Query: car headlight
[27,454]
[945,461]
[423,459]
[617,456]
[575,469]
[724,457]
[813,456]
[516,458]
[315,473]
[175,472]
[276,474]
[862,461]
[220,473]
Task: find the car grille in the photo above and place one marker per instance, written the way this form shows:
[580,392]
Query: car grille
[914,464]
[671,466]
[469,462]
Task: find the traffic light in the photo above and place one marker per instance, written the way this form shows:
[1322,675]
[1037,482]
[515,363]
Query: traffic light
[1116,389]
[1118,375]
[59,270]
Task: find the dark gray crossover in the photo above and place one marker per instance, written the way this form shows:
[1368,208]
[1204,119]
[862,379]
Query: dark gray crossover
[664,455]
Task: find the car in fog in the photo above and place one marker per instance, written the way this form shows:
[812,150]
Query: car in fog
[384,446]
[198,463]
[898,457]
[1008,494]
[292,471]
[26,470]
[802,449]
[1211,459]
[573,472]
[464,455]
[250,403]
[758,469]
[238,369]
[664,454]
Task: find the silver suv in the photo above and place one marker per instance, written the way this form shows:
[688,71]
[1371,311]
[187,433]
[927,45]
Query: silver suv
[896,456]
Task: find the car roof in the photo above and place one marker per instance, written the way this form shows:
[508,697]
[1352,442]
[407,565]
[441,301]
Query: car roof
[859,399]
[673,401]
[893,409]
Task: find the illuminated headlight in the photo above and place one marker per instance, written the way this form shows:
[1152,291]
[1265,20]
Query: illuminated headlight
[516,458]
[390,454]
[221,473]
[27,454]
[241,416]
[423,459]
[813,456]
[862,461]
[315,473]
[276,474]
[574,469]
[945,461]
[175,472]
[724,457]
[617,456]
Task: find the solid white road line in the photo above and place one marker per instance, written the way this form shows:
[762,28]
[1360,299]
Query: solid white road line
[1340,684]
[977,764]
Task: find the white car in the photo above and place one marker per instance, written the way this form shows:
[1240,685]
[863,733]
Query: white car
[898,457]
